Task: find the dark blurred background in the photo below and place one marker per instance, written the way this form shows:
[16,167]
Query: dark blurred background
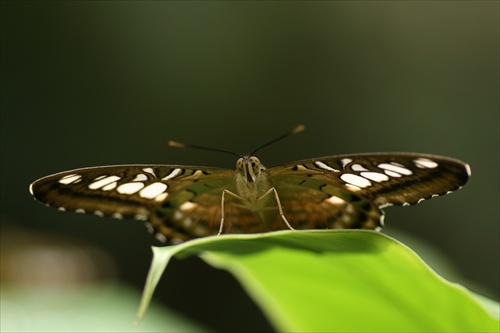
[97,83]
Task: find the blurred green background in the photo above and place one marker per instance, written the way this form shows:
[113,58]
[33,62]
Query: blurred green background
[98,83]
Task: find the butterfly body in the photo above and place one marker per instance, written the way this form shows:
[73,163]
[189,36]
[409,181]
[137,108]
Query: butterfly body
[252,182]
[184,202]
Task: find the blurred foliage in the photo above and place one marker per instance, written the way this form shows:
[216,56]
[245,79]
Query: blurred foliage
[107,307]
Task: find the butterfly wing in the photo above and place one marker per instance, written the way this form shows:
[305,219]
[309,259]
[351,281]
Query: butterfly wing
[347,191]
[182,203]
[166,196]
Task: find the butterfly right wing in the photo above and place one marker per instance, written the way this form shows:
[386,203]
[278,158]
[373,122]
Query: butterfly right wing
[348,191]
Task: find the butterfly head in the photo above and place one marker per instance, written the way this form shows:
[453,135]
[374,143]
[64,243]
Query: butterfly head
[249,168]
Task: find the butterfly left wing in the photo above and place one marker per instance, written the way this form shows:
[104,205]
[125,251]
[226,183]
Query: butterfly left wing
[154,193]
[347,191]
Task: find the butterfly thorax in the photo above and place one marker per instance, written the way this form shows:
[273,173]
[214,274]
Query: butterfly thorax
[251,179]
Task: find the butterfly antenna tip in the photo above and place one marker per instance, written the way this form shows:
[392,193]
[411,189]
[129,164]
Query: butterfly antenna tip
[298,129]
[176,144]
[294,131]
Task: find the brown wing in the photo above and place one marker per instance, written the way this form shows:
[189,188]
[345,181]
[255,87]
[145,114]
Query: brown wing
[315,203]
[143,192]
[347,191]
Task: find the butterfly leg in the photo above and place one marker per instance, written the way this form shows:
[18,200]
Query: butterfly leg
[222,208]
[280,209]
[271,190]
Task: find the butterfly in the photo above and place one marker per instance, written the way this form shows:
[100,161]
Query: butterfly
[179,203]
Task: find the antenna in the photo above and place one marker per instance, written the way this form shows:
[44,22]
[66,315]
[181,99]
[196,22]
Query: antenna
[294,131]
[176,144]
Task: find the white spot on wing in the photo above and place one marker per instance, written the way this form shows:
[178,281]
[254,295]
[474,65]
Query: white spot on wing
[172,174]
[324,166]
[359,167]
[70,179]
[141,217]
[161,237]
[198,173]
[382,218]
[425,163]
[353,187]
[153,190]
[345,161]
[392,173]
[161,197]
[188,205]
[109,186]
[98,213]
[467,169]
[187,222]
[117,216]
[300,167]
[375,176]
[149,170]
[102,182]
[355,180]
[336,200]
[349,209]
[129,188]
[140,178]
[80,211]
[395,168]
[149,227]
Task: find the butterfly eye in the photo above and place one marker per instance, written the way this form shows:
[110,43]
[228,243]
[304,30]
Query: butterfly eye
[239,165]
[254,162]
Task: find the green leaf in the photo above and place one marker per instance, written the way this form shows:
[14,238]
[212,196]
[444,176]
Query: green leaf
[343,280]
